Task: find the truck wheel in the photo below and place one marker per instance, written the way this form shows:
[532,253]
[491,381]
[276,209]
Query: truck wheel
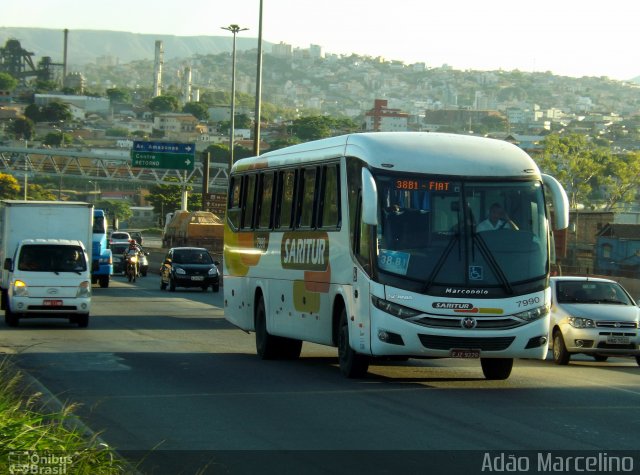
[83,320]
[104,281]
[10,318]
[215,287]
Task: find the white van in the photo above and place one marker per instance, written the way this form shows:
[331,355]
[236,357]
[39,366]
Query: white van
[48,278]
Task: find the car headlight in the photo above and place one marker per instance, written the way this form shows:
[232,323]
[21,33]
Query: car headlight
[394,309]
[579,322]
[179,270]
[534,313]
[20,289]
[213,271]
[84,289]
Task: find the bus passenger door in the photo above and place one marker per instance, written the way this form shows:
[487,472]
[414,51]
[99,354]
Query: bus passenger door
[359,317]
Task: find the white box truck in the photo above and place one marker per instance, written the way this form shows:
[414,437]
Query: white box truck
[45,248]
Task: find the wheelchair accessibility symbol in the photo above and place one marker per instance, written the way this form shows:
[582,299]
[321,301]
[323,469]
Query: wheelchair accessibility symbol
[476,273]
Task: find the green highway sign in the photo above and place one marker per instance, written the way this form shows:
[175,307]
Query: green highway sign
[176,156]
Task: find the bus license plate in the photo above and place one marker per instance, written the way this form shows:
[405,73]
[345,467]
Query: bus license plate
[617,340]
[52,303]
[464,353]
[197,277]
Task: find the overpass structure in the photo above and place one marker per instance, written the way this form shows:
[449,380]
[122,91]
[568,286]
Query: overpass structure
[97,166]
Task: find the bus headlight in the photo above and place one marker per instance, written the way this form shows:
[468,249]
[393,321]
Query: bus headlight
[20,289]
[393,308]
[577,322]
[534,313]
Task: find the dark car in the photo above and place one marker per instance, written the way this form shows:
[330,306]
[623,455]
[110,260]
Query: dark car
[137,236]
[189,267]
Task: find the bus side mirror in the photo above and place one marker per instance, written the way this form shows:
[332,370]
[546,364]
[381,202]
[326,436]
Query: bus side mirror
[559,200]
[369,199]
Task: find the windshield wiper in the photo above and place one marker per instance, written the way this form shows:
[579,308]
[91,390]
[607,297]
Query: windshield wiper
[488,255]
[441,261]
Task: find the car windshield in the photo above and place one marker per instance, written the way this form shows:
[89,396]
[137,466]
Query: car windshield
[192,257]
[584,292]
[116,236]
[52,258]
[434,233]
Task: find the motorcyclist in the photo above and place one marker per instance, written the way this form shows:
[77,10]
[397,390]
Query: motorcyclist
[133,251]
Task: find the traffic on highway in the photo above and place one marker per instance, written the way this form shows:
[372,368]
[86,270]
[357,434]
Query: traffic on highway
[173,387]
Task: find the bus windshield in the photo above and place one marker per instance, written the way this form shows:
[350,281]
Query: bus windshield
[436,233]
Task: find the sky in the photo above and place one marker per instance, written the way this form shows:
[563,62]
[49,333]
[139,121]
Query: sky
[567,37]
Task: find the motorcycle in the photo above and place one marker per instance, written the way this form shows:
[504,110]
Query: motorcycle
[143,263]
[132,268]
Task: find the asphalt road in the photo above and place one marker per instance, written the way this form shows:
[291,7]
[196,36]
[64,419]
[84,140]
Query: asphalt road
[171,385]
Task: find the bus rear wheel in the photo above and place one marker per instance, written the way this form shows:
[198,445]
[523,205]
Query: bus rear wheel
[496,368]
[265,343]
[352,364]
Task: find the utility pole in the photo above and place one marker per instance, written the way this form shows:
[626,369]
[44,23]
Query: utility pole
[233,29]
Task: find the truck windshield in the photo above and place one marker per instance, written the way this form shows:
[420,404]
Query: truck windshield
[437,233]
[99,225]
[52,258]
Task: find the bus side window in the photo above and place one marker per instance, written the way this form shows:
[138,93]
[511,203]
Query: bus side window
[329,196]
[264,201]
[249,198]
[305,202]
[234,209]
[286,188]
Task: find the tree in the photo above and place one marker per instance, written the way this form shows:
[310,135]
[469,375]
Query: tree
[168,198]
[319,127]
[55,139]
[196,109]
[119,210]
[9,187]
[163,104]
[7,82]
[621,179]
[38,192]
[33,112]
[56,112]
[574,162]
[116,95]
[312,128]
[22,128]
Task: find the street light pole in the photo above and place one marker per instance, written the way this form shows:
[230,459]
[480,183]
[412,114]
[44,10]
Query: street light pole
[233,29]
[256,127]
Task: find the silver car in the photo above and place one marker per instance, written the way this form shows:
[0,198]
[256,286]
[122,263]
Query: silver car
[592,316]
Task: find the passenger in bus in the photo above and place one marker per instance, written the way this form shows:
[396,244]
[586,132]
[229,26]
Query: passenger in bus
[497,219]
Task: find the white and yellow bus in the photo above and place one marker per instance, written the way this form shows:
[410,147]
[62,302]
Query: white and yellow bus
[371,243]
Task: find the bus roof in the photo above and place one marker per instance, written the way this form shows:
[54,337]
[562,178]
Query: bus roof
[445,154]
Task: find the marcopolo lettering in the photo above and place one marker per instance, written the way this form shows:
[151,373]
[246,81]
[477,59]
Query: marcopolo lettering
[305,251]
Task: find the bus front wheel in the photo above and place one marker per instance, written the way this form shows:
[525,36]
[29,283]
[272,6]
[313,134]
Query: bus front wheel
[352,364]
[496,368]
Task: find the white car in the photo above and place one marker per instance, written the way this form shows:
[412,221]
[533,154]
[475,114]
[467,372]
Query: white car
[593,316]
[119,236]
